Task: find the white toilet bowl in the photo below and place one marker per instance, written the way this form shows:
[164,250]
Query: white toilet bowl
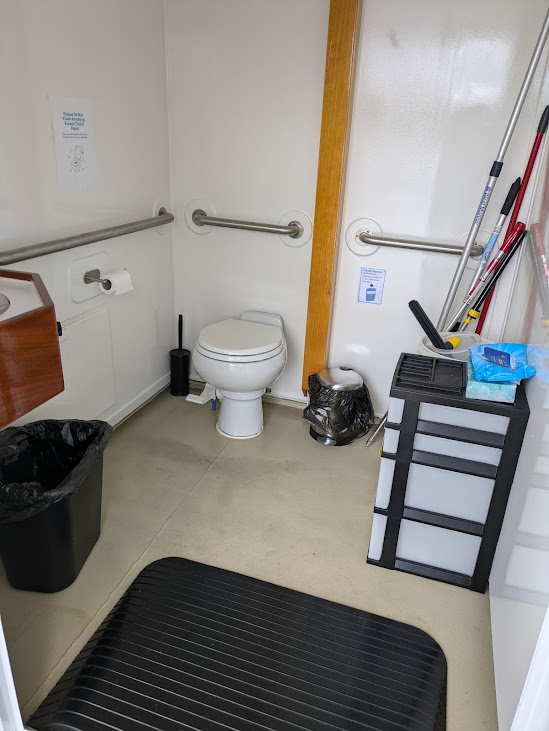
[240,359]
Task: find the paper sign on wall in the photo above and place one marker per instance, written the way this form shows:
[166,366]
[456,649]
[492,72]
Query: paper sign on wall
[74,142]
[371,284]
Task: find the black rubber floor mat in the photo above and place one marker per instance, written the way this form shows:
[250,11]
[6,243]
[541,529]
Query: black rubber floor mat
[194,647]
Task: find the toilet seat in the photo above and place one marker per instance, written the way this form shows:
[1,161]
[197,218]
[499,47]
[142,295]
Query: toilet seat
[234,358]
[240,341]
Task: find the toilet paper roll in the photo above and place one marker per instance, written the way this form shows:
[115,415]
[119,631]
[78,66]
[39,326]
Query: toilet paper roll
[118,282]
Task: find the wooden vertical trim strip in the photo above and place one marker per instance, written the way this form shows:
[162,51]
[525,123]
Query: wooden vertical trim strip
[340,52]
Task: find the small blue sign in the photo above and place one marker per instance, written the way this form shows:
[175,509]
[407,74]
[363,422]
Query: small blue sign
[371,285]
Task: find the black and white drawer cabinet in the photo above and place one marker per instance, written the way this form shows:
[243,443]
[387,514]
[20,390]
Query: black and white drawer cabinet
[447,467]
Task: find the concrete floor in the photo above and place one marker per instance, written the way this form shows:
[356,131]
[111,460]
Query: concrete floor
[279,507]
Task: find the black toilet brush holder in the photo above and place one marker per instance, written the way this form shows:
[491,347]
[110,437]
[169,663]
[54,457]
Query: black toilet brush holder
[180,360]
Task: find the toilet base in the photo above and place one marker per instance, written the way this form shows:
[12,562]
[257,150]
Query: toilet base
[232,436]
[240,414]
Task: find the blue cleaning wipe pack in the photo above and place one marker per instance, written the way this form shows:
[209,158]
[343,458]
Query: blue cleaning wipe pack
[512,365]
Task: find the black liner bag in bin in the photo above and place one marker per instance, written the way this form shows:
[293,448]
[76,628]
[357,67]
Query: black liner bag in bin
[341,415]
[51,475]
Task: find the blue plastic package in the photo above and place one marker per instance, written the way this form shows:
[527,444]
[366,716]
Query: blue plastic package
[488,368]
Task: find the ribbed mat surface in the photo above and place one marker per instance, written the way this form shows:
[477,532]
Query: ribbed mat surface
[190,646]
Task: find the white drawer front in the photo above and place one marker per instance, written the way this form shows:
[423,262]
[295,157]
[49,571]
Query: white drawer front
[439,547]
[385,482]
[396,407]
[390,441]
[377,535]
[494,423]
[449,493]
[454,448]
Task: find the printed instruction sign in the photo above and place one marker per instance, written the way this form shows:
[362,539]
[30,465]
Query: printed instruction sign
[370,286]
[74,142]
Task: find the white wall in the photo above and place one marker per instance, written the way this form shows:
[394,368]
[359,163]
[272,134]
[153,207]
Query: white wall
[245,82]
[435,87]
[112,53]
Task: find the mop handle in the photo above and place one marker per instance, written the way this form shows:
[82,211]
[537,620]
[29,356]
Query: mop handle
[511,195]
[494,173]
[499,271]
[509,241]
[494,264]
[542,129]
[477,279]
[491,283]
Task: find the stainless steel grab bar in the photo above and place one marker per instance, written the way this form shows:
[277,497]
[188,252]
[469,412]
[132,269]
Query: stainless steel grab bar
[365,238]
[293,229]
[72,242]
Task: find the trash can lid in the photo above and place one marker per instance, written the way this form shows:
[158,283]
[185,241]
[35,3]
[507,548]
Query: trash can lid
[340,378]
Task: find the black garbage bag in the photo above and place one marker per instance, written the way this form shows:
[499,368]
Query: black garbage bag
[341,415]
[45,461]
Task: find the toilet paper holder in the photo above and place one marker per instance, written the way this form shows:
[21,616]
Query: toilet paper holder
[94,275]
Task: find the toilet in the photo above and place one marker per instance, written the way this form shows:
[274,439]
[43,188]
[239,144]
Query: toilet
[238,360]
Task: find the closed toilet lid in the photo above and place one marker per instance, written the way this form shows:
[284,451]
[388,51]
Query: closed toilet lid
[240,337]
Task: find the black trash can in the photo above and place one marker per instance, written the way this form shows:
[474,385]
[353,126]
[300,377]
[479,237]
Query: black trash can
[51,475]
[339,409]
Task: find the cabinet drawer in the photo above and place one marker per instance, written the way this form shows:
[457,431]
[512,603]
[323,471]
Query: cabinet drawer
[455,448]
[379,523]
[396,407]
[390,441]
[439,547]
[385,482]
[470,419]
[446,492]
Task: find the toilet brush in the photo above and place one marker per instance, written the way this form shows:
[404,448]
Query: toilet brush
[179,364]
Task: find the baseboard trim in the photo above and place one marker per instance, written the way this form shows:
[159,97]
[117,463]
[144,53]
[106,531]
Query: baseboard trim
[139,401]
[281,401]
